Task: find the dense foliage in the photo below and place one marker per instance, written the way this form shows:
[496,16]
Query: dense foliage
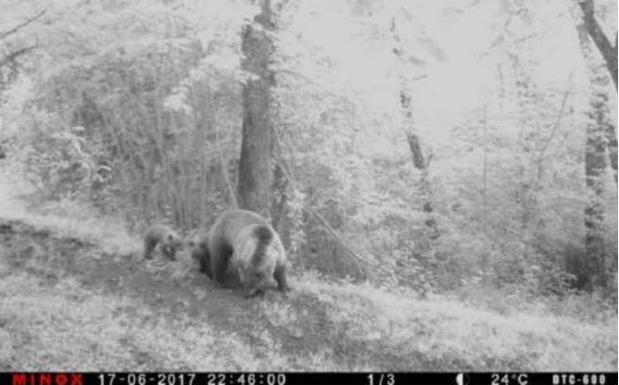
[135,107]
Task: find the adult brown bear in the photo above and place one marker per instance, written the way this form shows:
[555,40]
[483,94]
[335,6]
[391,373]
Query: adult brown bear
[167,239]
[241,242]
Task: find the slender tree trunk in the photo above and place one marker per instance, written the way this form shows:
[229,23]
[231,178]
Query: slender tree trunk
[595,165]
[419,160]
[421,163]
[611,137]
[255,165]
[608,51]
[594,274]
[485,175]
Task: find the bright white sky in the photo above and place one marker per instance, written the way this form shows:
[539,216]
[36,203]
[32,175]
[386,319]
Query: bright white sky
[467,79]
[453,89]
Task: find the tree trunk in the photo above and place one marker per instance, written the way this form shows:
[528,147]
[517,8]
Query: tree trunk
[594,274]
[254,187]
[611,137]
[608,51]
[419,160]
[595,166]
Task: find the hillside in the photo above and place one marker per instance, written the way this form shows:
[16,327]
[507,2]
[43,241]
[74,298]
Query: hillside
[442,176]
[70,301]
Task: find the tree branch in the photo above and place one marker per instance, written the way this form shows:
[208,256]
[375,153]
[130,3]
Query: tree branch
[14,55]
[555,126]
[22,25]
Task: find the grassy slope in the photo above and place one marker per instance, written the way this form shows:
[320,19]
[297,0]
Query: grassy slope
[70,301]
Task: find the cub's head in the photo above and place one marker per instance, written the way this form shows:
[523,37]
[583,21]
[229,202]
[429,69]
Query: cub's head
[171,244]
[195,251]
[198,249]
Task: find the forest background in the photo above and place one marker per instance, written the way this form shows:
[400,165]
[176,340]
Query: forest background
[459,148]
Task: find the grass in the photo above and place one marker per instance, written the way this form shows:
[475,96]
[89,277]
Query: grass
[441,334]
[66,327]
[67,219]
[95,305]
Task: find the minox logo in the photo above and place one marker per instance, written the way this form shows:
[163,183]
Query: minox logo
[47,379]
